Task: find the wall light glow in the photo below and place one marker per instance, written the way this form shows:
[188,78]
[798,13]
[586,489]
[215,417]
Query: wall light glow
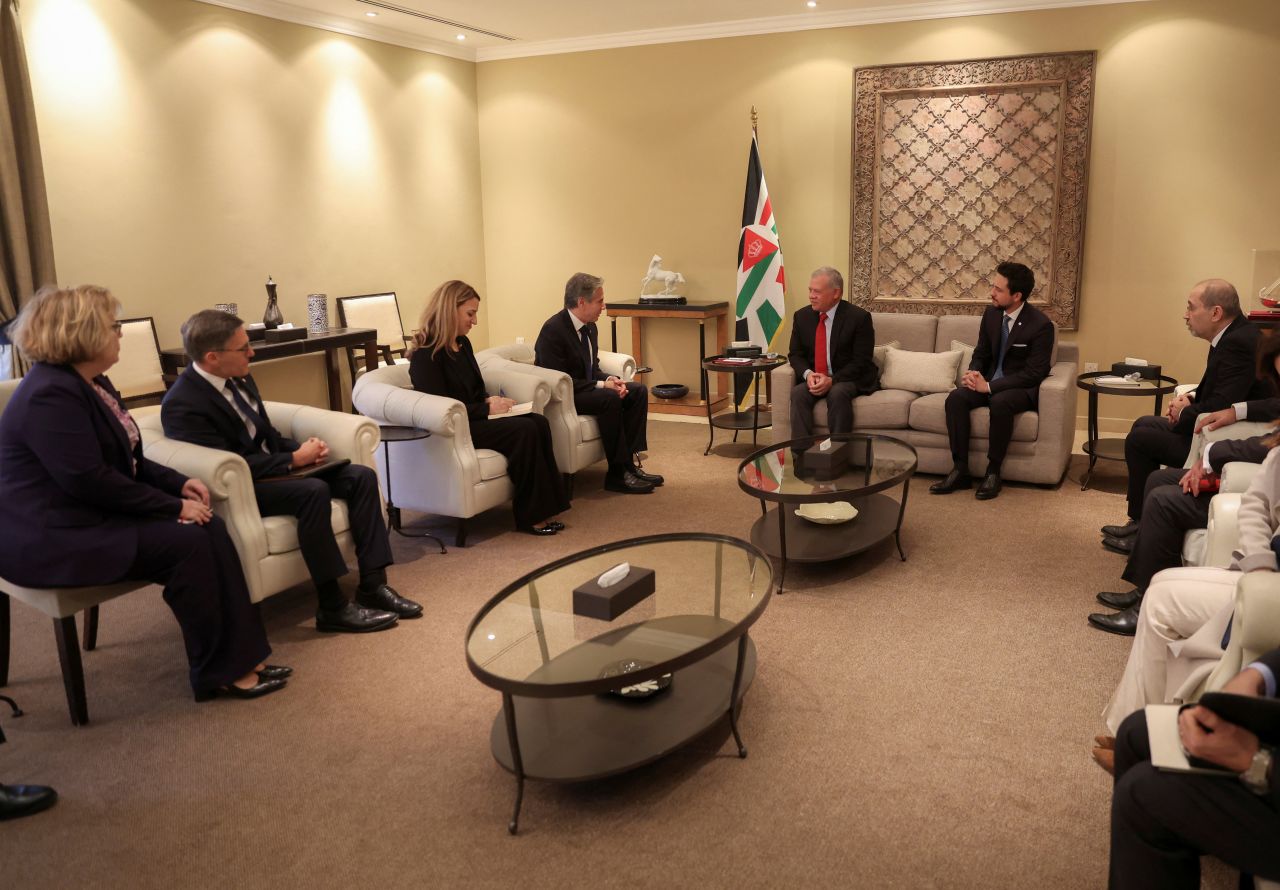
[73,62]
[347,125]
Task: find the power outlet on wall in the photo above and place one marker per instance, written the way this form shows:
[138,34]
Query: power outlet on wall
[1090,366]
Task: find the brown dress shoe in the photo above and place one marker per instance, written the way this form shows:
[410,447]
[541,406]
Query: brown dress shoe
[1105,758]
[1105,742]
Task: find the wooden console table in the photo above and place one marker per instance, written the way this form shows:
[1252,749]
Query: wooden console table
[172,361]
[699,312]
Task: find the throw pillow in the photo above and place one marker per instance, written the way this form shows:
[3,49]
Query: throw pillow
[966,356]
[877,354]
[920,372]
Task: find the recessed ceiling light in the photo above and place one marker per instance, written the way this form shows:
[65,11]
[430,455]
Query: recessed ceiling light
[462,36]
[812,4]
[372,15]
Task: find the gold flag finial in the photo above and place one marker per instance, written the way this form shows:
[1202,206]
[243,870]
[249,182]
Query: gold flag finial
[754,120]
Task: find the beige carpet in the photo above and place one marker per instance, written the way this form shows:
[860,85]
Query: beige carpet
[917,724]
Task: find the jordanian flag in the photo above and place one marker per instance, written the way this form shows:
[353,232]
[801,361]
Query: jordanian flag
[761,282]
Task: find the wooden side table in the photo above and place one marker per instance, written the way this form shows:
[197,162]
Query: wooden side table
[699,312]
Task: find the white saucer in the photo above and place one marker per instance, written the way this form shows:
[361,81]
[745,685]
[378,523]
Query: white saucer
[827,514]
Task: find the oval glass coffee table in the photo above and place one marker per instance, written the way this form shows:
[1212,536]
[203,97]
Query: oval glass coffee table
[567,713]
[792,478]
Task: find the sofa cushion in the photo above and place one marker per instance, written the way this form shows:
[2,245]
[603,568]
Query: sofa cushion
[886,409]
[492,464]
[966,356]
[877,354]
[963,328]
[928,414]
[915,332]
[919,371]
[282,531]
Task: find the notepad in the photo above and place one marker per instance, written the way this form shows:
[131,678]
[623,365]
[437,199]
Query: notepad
[514,411]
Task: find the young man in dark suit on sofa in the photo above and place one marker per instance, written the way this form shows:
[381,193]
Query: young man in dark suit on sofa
[1013,355]
[569,342]
[832,348]
[215,403]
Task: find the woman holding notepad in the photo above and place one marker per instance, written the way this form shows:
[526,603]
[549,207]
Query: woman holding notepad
[442,363]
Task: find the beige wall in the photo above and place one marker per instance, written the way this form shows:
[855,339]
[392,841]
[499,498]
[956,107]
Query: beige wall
[596,160]
[191,150]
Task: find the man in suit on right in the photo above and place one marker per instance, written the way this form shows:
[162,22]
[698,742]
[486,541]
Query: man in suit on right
[1163,822]
[1213,314]
[832,343]
[1015,347]
[569,342]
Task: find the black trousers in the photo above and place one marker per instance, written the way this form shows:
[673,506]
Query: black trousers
[204,587]
[1162,823]
[839,408]
[1004,405]
[525,442]
[1168,514]
[1151,444]
[308,500]
[623,422]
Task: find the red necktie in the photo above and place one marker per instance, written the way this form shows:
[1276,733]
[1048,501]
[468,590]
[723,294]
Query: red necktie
[820,345]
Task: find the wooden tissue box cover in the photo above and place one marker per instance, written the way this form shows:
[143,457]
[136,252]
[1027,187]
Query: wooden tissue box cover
[281,335]
[607,603]
[827,464]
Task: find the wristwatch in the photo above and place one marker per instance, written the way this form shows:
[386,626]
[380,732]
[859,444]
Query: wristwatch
[1255,778]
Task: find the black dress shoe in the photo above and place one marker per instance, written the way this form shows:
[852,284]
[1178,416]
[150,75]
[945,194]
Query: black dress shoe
[989,488]
[1123,623]
[955,481]
[627,483]
[17,801]
[1123,546]
[384,598]
[554,524]
[652,478]
[275,672]
[541,532]
[1121,531]
[353,619]
[1119,600]
[231,690]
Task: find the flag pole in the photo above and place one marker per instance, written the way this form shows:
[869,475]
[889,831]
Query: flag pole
[754,120]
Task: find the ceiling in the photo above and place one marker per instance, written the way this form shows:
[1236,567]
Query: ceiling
[542,27]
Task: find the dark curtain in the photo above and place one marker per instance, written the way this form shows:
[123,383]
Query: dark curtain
[26,240]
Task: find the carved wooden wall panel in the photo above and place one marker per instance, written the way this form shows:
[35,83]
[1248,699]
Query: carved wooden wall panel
[958,166]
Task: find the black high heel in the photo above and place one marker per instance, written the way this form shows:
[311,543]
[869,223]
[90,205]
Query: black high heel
[275,672]
[231,690]
[540,532]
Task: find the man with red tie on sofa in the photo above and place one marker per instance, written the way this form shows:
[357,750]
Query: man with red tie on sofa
[832,344]
[1013,356]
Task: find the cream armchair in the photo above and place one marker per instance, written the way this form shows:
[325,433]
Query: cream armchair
[444,474]
[575,438]
[267,545]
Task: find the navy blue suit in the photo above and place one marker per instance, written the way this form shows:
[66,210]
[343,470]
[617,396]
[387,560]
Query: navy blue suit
[193,411]
[79,506]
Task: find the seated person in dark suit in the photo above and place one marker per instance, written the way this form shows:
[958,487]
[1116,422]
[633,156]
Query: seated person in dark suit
[1163,822]
[569,342]
[441,362]
[81,505]
[832,343]
[1230,376]
[1173,503]
[1012,358]
[215,403]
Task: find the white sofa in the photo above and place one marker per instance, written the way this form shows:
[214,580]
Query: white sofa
[1042,439]
[444,474]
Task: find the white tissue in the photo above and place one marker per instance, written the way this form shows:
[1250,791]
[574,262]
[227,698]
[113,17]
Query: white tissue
[286,325]
[825,446]
[1135,361]
[255,325]
[614,575]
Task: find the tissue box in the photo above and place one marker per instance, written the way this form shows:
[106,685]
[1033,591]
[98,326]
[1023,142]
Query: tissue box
[826,464]
[607,603]
[258,333]
[281,335]
[743,351]
[1145,372]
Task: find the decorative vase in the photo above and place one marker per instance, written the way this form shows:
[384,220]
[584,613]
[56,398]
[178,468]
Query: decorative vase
[272,318]
[317,313]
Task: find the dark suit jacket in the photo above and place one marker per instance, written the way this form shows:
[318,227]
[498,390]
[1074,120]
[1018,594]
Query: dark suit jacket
[1230,375]
[853,341]
[70,496]
[1027,355]
[453,375]
[559,348]
[193,411]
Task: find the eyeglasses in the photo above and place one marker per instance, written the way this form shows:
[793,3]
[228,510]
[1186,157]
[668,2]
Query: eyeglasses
[117,326]
[241,349]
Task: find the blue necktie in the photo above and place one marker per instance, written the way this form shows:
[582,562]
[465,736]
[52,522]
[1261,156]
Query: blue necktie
[255,417]
[1004,342]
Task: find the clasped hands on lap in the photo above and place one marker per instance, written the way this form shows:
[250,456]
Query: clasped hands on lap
[819,384]
[975,381]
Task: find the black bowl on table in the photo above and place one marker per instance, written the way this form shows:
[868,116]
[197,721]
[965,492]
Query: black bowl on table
[670,390]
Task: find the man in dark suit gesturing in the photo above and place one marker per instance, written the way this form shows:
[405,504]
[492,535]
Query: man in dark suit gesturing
[569,342]
[832,344]
[215,403]
[1015,347]
[1230,376]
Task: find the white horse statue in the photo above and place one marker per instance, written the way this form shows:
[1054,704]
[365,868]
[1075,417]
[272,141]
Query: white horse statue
[669,280]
